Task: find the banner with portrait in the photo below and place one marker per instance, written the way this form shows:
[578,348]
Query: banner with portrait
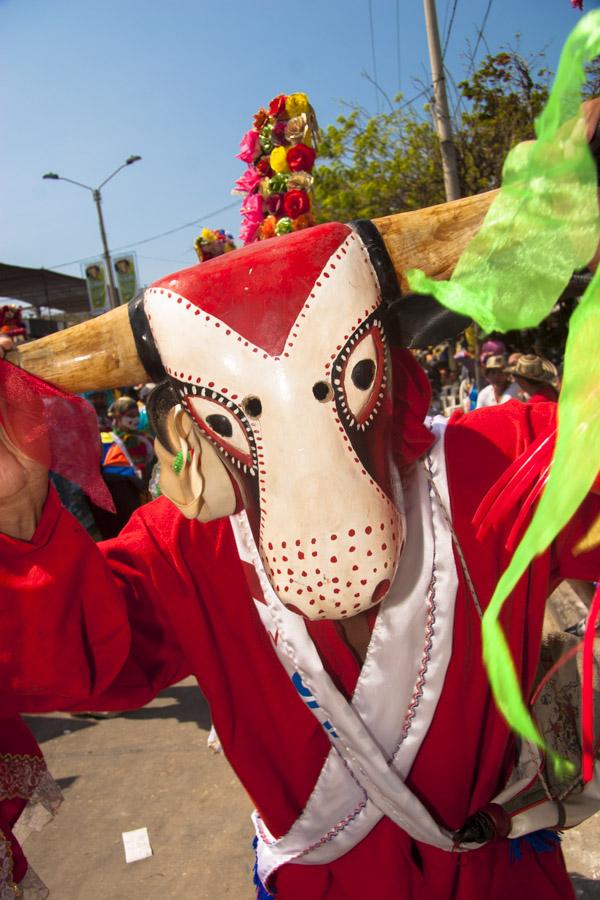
[125,270]
[94,272]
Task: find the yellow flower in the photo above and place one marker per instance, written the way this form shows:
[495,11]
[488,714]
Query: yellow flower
[296,104]
[278,160]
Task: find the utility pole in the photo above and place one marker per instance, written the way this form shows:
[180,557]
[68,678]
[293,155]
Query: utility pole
[97,196]
[112,290]
[441,112]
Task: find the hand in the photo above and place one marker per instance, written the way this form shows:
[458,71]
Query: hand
[591,115]
[23,483]
[5,345]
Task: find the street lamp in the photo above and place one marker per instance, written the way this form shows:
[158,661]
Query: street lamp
[112,291]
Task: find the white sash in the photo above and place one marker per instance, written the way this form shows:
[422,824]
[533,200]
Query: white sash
[376,737]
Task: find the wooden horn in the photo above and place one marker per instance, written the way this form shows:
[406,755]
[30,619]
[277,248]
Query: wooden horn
[101,353]
[97,354]
[432,239]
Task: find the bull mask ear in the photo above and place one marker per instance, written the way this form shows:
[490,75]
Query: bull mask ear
[193,477]
[413,320]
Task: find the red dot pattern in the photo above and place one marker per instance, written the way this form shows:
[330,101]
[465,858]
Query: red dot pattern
[322,584]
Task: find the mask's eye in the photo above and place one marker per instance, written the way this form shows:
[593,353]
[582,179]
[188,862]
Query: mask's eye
[223,427]
[363,374]
[359,375]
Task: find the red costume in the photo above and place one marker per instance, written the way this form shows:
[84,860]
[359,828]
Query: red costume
[291,437]
[111,625]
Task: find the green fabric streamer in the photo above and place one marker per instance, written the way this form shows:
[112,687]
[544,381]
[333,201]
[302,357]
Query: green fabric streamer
[575,464]
[543,225]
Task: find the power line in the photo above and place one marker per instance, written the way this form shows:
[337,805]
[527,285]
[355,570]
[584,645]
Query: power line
[416,97]
[449,31]
[373,55]
[398,45]
[154,237]
[480,34]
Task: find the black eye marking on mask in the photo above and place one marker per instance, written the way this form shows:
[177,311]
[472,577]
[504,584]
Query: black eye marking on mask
[186,393]
[221,425]
[363,373]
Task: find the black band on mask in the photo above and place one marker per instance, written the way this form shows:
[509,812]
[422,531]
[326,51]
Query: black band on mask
[380,260]
[415,320]
[144,340]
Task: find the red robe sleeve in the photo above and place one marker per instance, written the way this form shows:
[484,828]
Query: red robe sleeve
[84,625]
[483,444]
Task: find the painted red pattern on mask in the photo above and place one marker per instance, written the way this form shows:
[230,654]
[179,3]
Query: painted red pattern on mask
[274,277]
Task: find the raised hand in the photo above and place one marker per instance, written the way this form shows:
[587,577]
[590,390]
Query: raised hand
[23,484]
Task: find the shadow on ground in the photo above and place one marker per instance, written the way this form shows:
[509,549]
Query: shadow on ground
[585,888]
[189,705]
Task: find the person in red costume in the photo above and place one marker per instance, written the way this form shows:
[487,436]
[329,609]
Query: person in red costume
[314,564]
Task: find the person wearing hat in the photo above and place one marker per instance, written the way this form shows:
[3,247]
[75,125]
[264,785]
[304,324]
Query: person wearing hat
[500,389]
[537,379]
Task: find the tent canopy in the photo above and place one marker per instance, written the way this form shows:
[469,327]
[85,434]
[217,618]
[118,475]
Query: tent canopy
[42,287]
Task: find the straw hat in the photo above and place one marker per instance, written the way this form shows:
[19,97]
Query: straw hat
[495,362]
[535,368]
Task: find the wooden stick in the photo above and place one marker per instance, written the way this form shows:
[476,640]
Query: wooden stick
[101,353]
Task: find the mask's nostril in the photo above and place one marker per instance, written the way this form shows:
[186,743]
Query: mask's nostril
[322,391]
[252,407]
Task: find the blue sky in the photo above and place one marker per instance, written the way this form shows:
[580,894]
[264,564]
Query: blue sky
[87,83]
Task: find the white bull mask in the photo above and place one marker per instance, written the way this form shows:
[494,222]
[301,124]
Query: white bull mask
[278,353]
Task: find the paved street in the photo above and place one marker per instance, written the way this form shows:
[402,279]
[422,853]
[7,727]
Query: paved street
[146,768]
[152,768]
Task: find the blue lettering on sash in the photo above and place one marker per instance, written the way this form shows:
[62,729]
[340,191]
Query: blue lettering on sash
[312,703]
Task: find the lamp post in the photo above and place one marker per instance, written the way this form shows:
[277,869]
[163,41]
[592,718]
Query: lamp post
[97,196]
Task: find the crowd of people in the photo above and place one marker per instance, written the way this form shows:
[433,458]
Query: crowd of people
[127,461]
[462,379]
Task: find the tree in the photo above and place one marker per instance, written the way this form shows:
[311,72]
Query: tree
[377,165]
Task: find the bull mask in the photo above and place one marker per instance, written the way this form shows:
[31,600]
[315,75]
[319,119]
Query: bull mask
[279,355]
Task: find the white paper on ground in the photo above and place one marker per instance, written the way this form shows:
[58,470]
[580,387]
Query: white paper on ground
[137,845]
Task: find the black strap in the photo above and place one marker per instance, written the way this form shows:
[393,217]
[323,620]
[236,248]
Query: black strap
[144,340]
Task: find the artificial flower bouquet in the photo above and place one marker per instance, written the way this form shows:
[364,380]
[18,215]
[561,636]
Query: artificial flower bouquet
[280,151]
[211,243]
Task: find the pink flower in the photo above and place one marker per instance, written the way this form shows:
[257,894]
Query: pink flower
[248,232]
[252,213]
[248,147]
[252,207]
[247,182]
[577,4]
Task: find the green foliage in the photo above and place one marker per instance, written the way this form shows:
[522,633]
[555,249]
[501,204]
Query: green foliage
[377,165]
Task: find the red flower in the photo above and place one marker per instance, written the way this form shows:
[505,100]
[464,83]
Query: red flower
[260,119]
[263,167]
[296,203]
[278,134]
[277,106]
[301,158]
[274,202]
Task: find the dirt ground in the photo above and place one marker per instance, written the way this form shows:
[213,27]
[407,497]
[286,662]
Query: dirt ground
[152,768]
